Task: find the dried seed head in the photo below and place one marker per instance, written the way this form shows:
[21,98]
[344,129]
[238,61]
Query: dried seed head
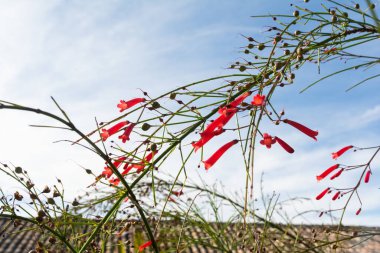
[172,95]
[46,189]
[296,13]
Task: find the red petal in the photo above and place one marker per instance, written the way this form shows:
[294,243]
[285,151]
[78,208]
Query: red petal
[302,128]
[336,174]
[327,172]
[367,176]
[336,195]
[284,145]
[340,152]
[128,104]
[323,193]
[215,157]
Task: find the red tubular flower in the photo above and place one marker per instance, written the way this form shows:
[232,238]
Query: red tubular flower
[240,99]
[205,138]
[340,152]
[124,105]
[267,140]
[258,100]
[145,245]
[336,195]
[107,133]
[219,122]
[327,172]
[367,176]
[215,157]
[323,193]
[358,211]
[127,132]
[115,181]
[302,128]
[108,171]
[337,174]
[284,145]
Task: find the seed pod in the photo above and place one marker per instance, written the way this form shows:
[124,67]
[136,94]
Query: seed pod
[172,95]
[242,68]
[145,127]
[334,19]
[18,196]
[357,6]
[297,32]
[296,13]
[18,170]
[261,46]
[250,46]
[246,51]
[51,201]
[153,147]
[287,52]
[156,105]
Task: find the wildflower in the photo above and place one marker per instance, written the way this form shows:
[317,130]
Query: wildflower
[219,122]
[302,128]
[240,99]
[114,181]
[267,140]
[215,157]
[130,103]
[205,138]
[127,132]
[336,195]
[337,174]
[323,193]
[145,245]
[258,100]
[107,133]
[358,211]
[284,145]
[108,171]
[327,172]
[340,152]
[367,176]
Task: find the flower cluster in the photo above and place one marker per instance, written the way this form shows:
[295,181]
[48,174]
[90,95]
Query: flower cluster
[337,169]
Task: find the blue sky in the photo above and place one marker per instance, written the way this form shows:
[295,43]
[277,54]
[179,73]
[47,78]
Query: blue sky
[90,54]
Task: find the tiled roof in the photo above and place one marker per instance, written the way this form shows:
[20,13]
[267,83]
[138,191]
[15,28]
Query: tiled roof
[24,237]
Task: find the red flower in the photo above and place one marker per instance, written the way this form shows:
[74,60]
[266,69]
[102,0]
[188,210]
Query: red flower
[336,195]
[358,211]
[141,165]
[340,152]
[220,121]
[267,140]
[108,171]
[367,176]
[215,157]
[145,245]
[128,104]
[284,145]
[115,181]
[258,100]
[302,128]
[336,174]
[240,99]
[323,193]
[107,133]
[205,138]
[327,172]
[127,132]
